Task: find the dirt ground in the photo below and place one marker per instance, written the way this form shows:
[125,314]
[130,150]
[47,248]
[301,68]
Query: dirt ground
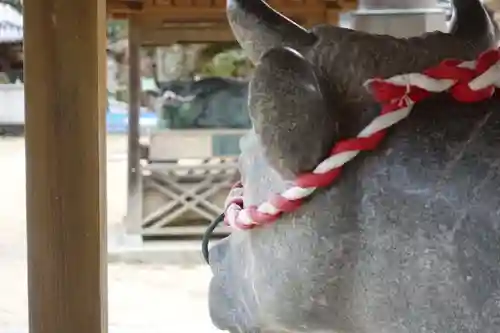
[143,298]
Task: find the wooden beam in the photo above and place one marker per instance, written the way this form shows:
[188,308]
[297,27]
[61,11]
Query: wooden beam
[180,14]
[65,89]
[133,219]
[156,30]
[347,5]
[168,36]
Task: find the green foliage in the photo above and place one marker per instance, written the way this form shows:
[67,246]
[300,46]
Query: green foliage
[228,63]
[116,29]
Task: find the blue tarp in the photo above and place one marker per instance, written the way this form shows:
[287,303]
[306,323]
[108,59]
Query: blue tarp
[117,118]
[118,123]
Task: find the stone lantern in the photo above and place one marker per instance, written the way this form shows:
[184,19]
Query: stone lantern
[399,18]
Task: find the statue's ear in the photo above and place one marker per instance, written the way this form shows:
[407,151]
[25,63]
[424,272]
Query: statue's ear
[289,113]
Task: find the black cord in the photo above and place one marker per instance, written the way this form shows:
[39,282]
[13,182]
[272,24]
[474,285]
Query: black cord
[208,234]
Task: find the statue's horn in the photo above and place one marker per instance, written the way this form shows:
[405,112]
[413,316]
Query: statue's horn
[258,28]
[473,21]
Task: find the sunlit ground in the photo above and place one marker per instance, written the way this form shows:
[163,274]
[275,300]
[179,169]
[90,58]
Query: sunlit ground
[143,298]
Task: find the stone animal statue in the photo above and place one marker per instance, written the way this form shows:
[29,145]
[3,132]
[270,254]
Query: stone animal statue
[213,102]
[407,240]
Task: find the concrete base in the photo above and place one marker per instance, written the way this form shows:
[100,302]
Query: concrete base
[132,249]
[399,22]
[182,253]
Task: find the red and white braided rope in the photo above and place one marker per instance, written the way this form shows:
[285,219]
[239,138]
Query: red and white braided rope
[466,81]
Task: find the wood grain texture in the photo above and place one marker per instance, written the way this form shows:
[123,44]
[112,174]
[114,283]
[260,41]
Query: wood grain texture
[306,12]
[65,165]
[134,170]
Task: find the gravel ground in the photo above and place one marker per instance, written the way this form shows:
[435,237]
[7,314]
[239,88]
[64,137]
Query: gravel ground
[143,298]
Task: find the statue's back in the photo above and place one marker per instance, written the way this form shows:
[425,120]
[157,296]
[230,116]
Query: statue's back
[429,222]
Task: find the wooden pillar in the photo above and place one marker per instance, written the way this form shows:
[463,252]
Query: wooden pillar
[134,199]
[65,89]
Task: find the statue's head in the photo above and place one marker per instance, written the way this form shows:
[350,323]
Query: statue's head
[407,238]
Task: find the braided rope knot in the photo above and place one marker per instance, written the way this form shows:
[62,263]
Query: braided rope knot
[466,81]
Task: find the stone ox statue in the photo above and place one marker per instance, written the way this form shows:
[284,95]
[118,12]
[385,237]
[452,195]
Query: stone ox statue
[407,238]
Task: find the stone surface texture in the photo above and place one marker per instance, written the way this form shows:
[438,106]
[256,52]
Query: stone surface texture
[408,239]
